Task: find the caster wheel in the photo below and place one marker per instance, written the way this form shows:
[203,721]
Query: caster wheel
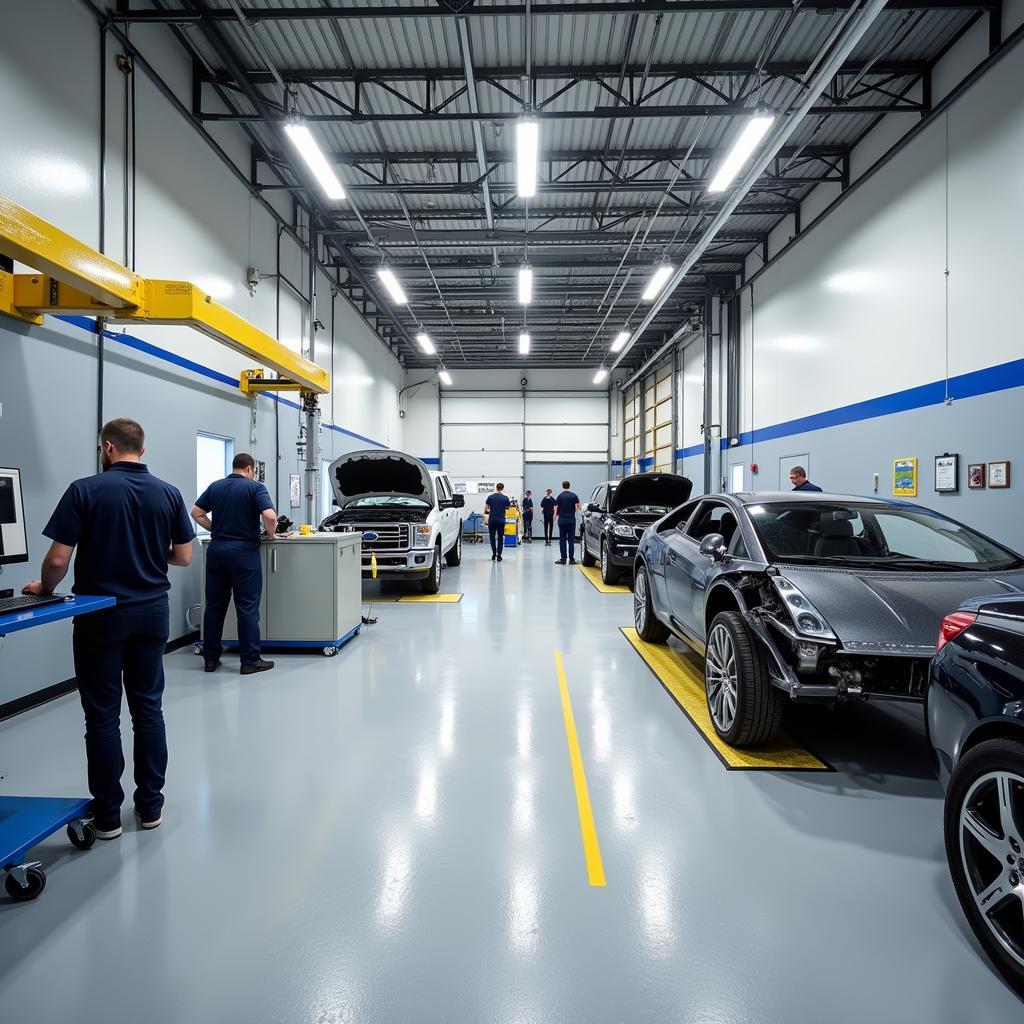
[82,835]
[330,652]
[197,649]
[35,879]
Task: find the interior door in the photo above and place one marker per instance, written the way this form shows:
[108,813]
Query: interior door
[786,463]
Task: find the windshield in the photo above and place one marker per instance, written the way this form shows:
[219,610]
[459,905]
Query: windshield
[388,501]
[645,510]
[873,536]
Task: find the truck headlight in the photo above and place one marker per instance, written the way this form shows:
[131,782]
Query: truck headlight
[624,531]
[421,536]
[806,618]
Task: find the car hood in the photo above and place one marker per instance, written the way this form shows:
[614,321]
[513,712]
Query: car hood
[667,489]
[379,474]
[875,612]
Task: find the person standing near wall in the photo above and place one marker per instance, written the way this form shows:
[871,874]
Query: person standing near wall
[567,504]
[528,517]
[547,508]
[798,478]
[128,526]
[233,566]
[496,506]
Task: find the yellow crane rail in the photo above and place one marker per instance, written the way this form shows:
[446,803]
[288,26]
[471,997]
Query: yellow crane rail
[73,278]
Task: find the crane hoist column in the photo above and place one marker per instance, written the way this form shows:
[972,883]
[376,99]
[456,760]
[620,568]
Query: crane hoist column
[311,410]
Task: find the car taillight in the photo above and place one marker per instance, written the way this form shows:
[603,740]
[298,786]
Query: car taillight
[952,626]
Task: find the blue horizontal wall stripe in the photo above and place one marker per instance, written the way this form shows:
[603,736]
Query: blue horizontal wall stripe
[431,462]
[693,449]
[130,341]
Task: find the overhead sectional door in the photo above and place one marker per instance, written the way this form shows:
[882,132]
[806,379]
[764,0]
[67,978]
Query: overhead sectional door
[631,429]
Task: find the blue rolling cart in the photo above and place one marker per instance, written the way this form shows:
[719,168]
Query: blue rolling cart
[25,821]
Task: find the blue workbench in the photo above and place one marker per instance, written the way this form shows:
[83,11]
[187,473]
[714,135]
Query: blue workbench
[25,821]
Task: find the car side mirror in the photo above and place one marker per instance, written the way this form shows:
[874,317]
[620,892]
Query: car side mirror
[713,546]
[593,507]
[458,501]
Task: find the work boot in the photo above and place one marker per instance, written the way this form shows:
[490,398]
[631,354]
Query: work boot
[256,666]
[211,665]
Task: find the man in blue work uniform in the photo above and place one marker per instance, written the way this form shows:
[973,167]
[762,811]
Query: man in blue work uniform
[547,508]
[496,506]
[567,503]
[798,478]
[128,526]
[236,503]
[528,517]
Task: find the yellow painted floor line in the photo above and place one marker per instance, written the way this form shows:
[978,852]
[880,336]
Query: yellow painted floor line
[414,599]
[685,684]
[588,830]
[593,573]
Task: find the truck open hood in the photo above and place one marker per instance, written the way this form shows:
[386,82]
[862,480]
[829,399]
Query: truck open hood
[899,613]
[668,489]
[379,474]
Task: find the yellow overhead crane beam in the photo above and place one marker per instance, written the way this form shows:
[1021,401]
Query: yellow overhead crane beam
[76,279]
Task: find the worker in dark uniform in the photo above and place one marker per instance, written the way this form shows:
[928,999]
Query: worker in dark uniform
[528,517]
[798,478]
[128,526]
[236,503]
[567,503]
[547,508]
[496,506]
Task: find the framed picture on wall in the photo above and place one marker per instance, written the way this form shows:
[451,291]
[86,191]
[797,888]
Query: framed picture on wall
[904,478]
[976,476]
[999,474]
[947,473]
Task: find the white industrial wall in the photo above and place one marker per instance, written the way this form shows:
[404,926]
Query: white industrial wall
[855,337]
[193,220]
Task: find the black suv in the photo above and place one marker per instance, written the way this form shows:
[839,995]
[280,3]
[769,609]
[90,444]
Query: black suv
[618,513]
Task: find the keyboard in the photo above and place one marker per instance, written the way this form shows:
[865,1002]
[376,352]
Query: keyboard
[8,605]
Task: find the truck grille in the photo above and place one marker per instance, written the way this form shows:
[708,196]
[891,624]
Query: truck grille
[390,536]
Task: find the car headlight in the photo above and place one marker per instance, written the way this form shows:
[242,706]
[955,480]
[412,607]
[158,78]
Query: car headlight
[421,536]
[806,618]
[624,531]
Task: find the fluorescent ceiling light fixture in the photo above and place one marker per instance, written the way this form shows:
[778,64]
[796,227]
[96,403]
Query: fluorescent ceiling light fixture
[748,141]
[525,284]
[657,282]
[527,140]
[445,376]
[620,341]
[426,344]
[310,151]
[600,375]
[524,344]
[392,285]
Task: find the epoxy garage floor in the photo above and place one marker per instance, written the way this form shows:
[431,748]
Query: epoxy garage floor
[393,835]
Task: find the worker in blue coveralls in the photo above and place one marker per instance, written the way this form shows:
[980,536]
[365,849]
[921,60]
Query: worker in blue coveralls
[496,506]
[125,527]
[547,508]
[798,478]
[528,517]
[236,505]
[566,504]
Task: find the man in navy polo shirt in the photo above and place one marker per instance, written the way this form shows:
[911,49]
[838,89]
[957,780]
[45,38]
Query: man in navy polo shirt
[566,504]
[128,526]
[496,506]
[798,478]
[547,508]
[237,503]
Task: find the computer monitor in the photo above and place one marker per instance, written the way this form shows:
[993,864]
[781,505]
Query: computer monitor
[13,538]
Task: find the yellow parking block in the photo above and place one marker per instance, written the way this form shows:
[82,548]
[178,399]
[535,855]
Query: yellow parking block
[593,573]
[414,599]
[685,685]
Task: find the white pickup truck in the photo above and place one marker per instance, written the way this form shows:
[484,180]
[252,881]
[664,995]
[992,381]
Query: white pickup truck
[407,514]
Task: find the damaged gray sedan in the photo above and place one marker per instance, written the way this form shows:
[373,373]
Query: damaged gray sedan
[808,596]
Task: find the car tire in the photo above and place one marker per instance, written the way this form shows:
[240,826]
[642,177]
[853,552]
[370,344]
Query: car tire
[648,626]
[585,556]
[746,710]
[432,584]
[609,572]
[974,866]
[454,557]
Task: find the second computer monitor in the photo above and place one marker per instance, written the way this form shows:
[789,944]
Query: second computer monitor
[13,537]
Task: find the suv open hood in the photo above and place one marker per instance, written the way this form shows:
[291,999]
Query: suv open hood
[379,474]
[667,489]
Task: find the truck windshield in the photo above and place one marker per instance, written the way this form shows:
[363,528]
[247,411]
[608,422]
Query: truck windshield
[873,536]
[389,501]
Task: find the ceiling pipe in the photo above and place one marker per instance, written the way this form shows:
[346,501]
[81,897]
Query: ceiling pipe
[859,24]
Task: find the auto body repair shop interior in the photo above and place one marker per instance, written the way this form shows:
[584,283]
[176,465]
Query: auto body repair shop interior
[509,511]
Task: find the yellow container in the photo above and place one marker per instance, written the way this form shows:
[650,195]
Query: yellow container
[305,530]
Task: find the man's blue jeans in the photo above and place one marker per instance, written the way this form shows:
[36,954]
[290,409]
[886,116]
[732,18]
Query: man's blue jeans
[567,539]
[123,647]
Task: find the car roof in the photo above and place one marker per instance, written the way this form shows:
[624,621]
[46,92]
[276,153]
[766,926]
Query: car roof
[772,497]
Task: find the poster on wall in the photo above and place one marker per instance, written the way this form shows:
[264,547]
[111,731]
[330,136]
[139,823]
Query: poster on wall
[976,475]
[904,478]
[999,474]
[947,473]
[483,487]
[294,490]
[460,487]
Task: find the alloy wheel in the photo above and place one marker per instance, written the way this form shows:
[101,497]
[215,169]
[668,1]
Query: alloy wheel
[640,601]
[992,856]
[721,677]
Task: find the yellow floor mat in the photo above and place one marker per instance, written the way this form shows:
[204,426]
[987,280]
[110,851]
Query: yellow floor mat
[685,684]
[593,573]
[414,599]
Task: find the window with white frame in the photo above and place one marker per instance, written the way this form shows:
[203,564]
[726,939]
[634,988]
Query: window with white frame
[214,455]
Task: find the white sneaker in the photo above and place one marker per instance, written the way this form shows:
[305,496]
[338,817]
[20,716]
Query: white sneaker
[155,823]
[106,833]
